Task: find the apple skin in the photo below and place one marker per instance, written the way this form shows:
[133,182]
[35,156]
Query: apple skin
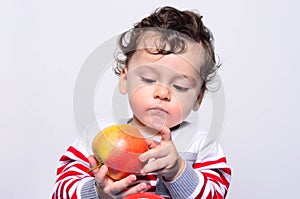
[143,195]
[119,147]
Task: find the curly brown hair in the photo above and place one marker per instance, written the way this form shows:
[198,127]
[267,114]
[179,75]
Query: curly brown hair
[175,28]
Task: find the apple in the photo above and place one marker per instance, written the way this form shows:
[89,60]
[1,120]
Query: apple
[143,195]
[119,147]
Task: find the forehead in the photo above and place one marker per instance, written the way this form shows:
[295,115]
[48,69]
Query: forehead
[153,42]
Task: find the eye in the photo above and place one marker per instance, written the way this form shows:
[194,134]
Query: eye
[148,80]
[180,88]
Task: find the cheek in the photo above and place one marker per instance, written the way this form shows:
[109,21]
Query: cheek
[183,106]
[134,102]
[138,97]
[176,114]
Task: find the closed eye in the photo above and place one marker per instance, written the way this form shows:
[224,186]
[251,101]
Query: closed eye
[180,88]
[147,80]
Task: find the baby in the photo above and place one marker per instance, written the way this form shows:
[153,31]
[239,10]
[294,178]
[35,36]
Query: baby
[169,59]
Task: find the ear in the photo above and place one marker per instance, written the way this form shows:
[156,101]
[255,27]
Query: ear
[199,99]
[123,81]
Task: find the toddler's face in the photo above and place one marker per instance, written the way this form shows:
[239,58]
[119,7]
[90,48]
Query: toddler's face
[162,89]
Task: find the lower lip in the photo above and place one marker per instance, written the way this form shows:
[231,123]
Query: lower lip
[158,110]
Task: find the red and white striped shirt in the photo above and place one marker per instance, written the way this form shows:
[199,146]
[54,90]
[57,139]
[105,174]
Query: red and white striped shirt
[205,175]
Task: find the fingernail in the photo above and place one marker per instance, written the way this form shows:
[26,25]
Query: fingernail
[103,168]
[142,158]
[143,187]
[132,177]
[143,172]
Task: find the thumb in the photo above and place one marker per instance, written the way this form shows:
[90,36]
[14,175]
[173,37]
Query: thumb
[94,164]
[92,160]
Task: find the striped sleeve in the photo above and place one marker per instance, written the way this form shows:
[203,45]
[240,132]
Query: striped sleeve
[214,174]
[206,178]
[72,179]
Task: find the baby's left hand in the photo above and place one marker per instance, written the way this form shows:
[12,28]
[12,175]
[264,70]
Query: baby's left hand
[166,161]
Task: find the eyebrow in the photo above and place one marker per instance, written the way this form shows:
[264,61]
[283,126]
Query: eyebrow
[145,68]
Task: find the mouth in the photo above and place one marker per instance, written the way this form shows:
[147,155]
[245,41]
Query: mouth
[158,109]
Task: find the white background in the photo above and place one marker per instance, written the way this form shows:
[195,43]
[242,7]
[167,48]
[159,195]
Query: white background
[44,44]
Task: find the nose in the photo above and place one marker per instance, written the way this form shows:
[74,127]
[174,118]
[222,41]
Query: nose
[162,93]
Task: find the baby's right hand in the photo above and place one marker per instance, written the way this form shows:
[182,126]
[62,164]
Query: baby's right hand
[108,188]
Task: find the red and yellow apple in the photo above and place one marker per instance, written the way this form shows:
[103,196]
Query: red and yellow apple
[119,148]
[143,195]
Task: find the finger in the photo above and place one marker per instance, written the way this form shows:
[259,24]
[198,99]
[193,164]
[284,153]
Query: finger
[99,173]
[157,152]
[100,176]
[142,187]
[165,134]
[93,164]
[120,185]
[92,160]
[151,143]
[156,166]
